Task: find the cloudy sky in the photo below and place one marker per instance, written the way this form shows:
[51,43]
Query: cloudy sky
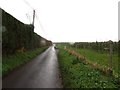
[68,20]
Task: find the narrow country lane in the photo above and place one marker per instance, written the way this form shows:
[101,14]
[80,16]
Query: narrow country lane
[41,72]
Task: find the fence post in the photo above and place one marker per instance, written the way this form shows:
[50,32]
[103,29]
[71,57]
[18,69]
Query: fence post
[110,57]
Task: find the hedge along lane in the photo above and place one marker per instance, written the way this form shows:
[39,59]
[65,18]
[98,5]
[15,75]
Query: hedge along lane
[17,35]
[12,62]
[76,74]
[41,72]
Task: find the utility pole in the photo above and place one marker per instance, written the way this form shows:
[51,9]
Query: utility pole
[33,17]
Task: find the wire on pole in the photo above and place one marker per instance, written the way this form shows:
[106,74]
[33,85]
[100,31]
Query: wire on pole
[26,2]
[35,15]
[40,23]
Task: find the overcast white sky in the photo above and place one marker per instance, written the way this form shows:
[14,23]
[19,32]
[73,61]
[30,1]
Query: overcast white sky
[68,20]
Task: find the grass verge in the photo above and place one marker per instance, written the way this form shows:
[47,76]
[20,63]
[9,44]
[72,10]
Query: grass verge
[11,62]
[100,58]
[75,74]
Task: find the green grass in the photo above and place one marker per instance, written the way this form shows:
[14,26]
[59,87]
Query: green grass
[75,74]
[11,62]
[101,58]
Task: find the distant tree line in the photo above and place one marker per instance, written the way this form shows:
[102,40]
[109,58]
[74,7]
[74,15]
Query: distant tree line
[17,35]
[97,46]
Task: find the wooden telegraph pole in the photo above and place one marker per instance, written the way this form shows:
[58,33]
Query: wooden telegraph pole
[33,17]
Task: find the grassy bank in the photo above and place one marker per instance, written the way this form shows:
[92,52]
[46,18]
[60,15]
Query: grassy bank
[75,74]
[100,58]
[11,62]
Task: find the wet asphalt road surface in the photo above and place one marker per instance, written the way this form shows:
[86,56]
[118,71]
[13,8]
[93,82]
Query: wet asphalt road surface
[41,72]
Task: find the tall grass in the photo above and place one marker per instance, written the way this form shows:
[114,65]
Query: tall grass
[100,58]
[11,62]
[75,74]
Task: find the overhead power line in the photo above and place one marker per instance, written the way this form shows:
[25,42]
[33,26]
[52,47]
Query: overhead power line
[26,2]
[37,18]
[27,15]
[35,15]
